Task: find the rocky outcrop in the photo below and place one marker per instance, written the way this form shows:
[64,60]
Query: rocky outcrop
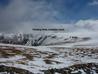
[13,70]
[89,68]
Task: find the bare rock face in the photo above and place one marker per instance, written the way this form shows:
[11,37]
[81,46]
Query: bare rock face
[89,68]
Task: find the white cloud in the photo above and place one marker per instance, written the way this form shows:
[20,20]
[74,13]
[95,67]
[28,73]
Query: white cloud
[94,2]
[91,25]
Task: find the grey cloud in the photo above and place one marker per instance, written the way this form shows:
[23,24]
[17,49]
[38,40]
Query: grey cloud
[21,13]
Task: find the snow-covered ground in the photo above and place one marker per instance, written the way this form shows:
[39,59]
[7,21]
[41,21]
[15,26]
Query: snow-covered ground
[58,50]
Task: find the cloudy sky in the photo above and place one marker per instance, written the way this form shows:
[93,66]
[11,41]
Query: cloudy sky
[16,15]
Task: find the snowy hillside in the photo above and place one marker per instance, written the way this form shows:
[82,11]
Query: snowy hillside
[42,39]
[55,51]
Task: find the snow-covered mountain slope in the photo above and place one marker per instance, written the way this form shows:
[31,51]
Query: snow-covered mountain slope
[46,39]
